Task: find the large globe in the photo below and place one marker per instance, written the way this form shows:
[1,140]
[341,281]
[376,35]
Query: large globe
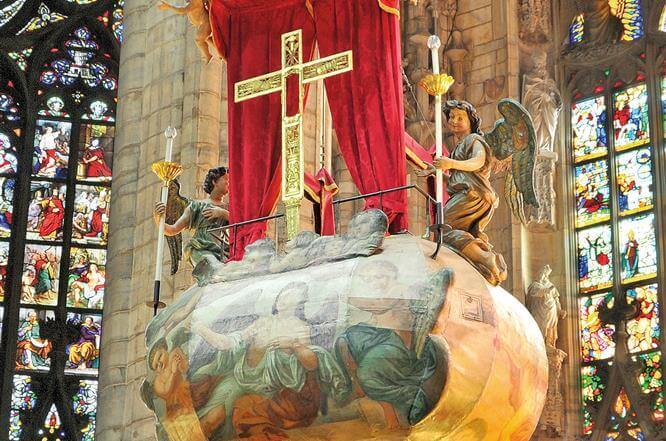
[393,346]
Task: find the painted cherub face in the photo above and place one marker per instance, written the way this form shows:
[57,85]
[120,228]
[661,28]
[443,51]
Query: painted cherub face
[459,123]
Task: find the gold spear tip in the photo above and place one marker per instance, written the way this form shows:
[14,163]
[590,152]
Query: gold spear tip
[437,84]
[167,171]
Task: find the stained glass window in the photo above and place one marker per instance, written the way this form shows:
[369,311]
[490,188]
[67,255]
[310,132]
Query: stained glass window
[57,114]
[597,337]
[634,181]
[662,20]
[588,120]
[616,237]
[644,330]
[595,259]
[638,248]
[630,117]
[592,193]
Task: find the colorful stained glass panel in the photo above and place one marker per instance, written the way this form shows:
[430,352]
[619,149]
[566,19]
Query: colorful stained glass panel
[631,125]
[623,418]
[55,106]
[98,111]
[596,336]
[53,425]
[644,330]
[638,248]
[652,382]
[593,387]
[629,13]
[51,148]
[91,214]
[95,153]
[592,193]
[43,18]
[663,98]
[83,354]
[634,181]
[662,20]
[588,122]
[21,58]
[41,269]
[595,258]
[6,206]
[85,405]
[576,30]
[4,260]
[86,280]
[46,211]
[9,11]
[9,109]
[8,161]
[24,399]
[33,351]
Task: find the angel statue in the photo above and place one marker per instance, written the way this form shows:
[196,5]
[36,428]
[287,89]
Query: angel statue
[472,199]
[198,216]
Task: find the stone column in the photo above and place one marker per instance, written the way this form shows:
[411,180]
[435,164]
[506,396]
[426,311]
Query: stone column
[163,81]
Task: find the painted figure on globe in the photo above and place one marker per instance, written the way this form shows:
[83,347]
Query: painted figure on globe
[198,216]
[472,199]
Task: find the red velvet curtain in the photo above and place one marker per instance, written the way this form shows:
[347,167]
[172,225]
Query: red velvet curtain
[248,35]
[366,103]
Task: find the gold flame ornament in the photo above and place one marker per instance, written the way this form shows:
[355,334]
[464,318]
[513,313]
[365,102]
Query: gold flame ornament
[167,171]
[437,83]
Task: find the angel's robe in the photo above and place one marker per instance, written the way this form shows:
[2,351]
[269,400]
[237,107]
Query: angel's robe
[473,199]
[203,244]
[389,371]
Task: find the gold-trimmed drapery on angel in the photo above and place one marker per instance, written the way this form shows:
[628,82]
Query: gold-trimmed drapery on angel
[473,200]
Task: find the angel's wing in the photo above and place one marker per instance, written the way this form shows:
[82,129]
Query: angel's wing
[513,136]
[176,205]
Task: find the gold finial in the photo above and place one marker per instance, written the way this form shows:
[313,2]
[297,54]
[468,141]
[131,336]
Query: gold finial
[167,171]
[436,84]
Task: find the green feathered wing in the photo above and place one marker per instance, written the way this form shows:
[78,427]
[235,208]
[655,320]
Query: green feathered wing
[514,136]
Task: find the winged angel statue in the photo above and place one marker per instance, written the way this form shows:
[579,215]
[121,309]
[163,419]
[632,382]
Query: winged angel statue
[197,216]
[472,198]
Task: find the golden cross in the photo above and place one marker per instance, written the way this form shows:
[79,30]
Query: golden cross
[292,125]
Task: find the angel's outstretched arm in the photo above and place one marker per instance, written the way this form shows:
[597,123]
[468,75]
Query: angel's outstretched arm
[474,163]
[175,228]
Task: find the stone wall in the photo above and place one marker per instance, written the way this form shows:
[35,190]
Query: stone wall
[163,82]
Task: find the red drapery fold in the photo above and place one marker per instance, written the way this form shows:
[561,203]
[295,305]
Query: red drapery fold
[366,103]
[321,189]
[254,30]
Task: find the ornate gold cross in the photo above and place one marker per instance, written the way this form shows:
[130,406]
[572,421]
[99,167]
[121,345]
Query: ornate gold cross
[292,125]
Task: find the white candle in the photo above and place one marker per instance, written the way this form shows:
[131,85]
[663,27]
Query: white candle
[170,133]
[433,44]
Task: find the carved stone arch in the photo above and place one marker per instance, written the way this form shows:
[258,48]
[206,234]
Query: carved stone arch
[654,11]
[584,81]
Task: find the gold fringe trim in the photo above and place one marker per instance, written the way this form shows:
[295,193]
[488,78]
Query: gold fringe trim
[388,9]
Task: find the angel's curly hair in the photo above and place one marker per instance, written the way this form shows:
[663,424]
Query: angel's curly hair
[213,175]
[472,114]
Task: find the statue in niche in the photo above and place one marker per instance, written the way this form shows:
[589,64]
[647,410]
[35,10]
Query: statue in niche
[198,216]
[543,302]
[601,26]
[543,101]
[473,200]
